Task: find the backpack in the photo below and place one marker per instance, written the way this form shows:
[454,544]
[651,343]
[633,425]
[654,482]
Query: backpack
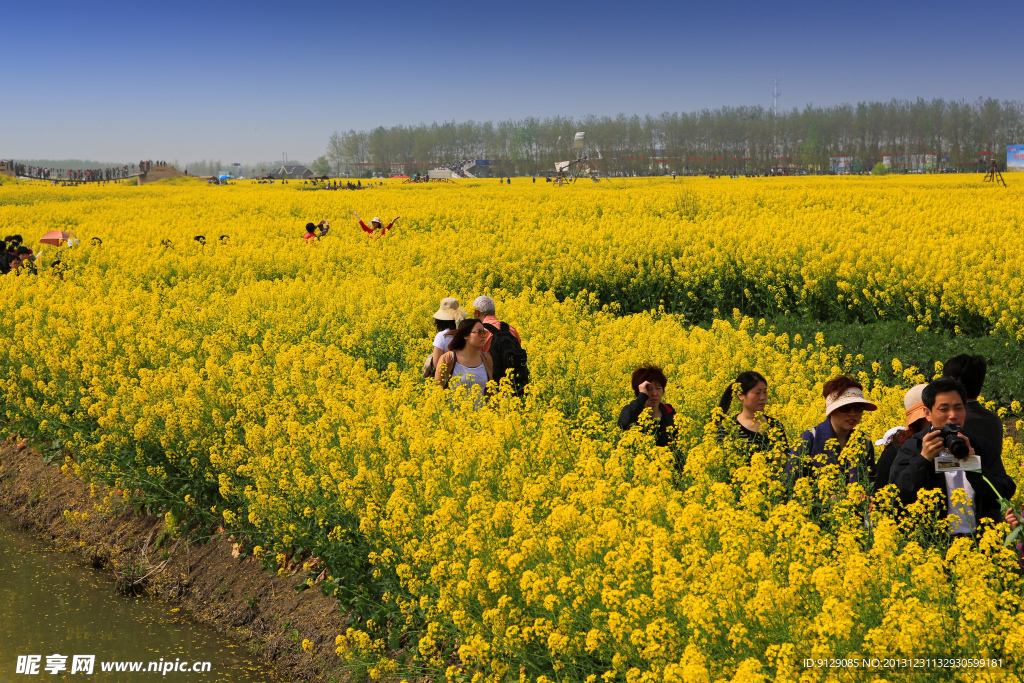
[509,357]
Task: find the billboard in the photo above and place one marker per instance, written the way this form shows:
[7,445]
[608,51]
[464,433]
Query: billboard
[1015,157]
[923,161]
[841,164]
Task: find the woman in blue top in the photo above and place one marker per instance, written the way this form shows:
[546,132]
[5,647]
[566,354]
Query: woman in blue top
[824,444]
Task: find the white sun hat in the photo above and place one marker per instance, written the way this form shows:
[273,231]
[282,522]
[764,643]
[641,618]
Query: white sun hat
[851,395]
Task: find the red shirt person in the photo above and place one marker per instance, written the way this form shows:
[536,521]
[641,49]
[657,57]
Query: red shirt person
[376,224]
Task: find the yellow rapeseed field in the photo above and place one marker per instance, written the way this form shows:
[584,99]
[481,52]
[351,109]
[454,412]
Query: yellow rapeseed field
[273,387]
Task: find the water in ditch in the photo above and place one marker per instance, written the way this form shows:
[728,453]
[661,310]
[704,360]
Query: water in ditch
[53,609]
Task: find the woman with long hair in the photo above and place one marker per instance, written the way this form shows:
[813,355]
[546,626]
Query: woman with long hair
[755,430]
[466,362]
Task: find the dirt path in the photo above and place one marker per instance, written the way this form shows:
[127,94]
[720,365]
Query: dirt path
[208,581]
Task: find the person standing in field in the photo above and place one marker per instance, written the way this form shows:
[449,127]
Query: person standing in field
[970,371]
[13,264]
[27,260]
[894,439]
[311,231]
[824,444]
[446,319]
[649,382]
[504,344]
[375,222]
[466,362]
[755,430]
[483,310]
[967,496]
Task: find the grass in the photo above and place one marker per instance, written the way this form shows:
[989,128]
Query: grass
[881,342]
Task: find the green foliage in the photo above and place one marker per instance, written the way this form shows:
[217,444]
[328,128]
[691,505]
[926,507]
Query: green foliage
[880,342]
[879,169]
[321,166]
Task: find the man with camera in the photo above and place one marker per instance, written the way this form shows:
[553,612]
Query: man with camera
[942,456]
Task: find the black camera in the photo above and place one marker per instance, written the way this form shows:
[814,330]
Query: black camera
[953,442]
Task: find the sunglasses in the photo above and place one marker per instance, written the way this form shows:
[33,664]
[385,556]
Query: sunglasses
[853,407]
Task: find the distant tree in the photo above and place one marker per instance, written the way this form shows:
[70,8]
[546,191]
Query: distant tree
[739,139]
[336,152]
[321,166]
[879,169]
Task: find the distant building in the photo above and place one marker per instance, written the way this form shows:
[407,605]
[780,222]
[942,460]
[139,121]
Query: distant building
[293,173]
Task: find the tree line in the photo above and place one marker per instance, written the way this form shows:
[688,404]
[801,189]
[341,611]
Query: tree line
[904,134]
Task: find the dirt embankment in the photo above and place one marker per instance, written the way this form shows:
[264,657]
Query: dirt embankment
[159,172]
[210,581]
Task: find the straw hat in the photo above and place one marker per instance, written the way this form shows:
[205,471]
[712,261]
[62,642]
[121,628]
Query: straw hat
[449,310]
[850,396]
[913,405]
[375,219]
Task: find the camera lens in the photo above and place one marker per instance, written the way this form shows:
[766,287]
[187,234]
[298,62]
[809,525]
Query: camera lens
[956,445]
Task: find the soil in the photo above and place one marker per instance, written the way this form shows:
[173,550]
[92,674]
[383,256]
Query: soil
[212,581]
[159,172]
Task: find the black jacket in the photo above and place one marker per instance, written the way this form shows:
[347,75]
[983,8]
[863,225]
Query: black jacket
[630,415]
[884,465]
[912,472]
[985,424]
[772,435]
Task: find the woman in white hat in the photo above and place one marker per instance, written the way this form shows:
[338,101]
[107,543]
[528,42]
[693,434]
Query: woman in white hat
[375,223]
[446,320]
[824,444]
[914,409]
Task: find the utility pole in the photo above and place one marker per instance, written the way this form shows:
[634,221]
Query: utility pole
[775,95]
[776,91]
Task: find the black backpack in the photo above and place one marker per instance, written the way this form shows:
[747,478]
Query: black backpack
[508,356]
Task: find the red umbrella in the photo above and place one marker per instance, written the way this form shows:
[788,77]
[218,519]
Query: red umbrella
[56,237]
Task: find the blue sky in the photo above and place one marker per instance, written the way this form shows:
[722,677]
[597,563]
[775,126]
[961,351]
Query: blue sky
[249,81]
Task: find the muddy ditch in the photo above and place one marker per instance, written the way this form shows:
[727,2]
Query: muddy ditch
[212,582]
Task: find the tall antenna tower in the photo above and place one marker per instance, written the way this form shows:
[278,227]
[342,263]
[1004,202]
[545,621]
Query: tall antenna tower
[775,95]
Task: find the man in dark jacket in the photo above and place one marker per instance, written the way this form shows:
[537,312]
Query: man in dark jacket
[970,371]
[914,468]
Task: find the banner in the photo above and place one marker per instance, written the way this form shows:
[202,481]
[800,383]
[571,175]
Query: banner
[1015,157]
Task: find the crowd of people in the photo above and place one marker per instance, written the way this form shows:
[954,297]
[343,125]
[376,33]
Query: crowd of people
[91,175]
[15,258]
[473,351]
[319,184]
[948,442]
